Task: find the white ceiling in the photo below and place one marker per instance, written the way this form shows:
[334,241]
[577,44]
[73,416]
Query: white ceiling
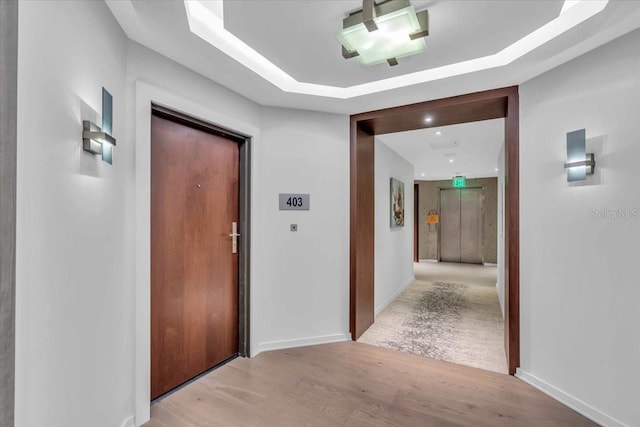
[299,37]
[473,147]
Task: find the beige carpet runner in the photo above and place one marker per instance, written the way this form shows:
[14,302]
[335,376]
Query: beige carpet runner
[455,322]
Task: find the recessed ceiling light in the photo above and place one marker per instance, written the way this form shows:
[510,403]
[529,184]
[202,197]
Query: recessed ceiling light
[496,169]
[438,133]
[422,174]
[450,160]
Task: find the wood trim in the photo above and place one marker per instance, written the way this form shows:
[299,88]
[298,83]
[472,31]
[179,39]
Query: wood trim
[193,122]
[362,231]
[472,107]
[428,106]
[512,233]
[416,221]
[8,179]
[244,227]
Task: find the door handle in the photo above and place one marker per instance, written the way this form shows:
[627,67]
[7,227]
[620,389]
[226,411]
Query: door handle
[234,237]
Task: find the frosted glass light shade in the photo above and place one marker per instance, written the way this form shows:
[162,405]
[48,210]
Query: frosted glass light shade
[390,40]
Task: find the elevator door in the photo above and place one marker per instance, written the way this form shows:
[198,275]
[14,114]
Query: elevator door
[461,220]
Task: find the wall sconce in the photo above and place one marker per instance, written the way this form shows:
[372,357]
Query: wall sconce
[579,163]
[96,140]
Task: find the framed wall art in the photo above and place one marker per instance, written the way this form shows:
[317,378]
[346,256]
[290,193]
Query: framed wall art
[397,203]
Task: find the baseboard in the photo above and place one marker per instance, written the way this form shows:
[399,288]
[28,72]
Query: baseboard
[128,422]
[428,260]
[572,402]
[490,264]
[389,300]
[300,342]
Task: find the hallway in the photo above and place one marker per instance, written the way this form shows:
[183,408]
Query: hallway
[451,312]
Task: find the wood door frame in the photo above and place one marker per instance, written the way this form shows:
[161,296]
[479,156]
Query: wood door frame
[490,104]
[214,112]
[416,222]
[8,182]
[244,188]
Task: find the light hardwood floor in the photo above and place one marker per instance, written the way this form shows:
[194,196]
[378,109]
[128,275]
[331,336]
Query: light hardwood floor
[355,384]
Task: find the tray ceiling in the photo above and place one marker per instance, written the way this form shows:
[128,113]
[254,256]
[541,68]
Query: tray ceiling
[298,37]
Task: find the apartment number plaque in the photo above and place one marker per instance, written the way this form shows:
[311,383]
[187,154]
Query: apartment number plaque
[293,202]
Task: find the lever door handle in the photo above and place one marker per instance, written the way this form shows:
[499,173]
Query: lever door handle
[234,237]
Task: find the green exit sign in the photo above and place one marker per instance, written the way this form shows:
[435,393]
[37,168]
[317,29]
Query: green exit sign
[459,181]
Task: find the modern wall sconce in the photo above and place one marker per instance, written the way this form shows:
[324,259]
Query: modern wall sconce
[96,140]
[383,32]
[579,163]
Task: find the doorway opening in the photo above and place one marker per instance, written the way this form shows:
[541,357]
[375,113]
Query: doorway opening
[446,306]
[493,104]
[199,248]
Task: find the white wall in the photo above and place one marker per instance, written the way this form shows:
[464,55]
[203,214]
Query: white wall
[82,302]
[300,280]
[393,270]
[501,211]
[580,291]
[153,78]
[74,287]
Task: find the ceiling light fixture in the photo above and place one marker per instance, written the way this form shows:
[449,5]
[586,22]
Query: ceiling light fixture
[450,160]
[438,133]
[383,32]
[206,20]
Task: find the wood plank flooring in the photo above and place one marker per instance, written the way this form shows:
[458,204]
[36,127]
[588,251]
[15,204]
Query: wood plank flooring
[355,384]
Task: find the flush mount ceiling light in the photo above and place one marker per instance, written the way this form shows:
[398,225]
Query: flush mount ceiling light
[207,22]
[383,32]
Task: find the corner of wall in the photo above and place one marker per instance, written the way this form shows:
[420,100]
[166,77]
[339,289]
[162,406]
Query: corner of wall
[129,422]
[567,399]
[393,246]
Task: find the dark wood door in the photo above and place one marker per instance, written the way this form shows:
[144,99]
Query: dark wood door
[194,274]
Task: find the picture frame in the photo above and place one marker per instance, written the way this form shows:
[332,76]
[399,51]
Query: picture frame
[397,203]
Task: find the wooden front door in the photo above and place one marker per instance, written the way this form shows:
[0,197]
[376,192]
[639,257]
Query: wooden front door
[194,272]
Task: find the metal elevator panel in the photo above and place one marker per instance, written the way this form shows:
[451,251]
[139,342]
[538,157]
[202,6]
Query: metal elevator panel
[471,220]
[450,225]
[461,225]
